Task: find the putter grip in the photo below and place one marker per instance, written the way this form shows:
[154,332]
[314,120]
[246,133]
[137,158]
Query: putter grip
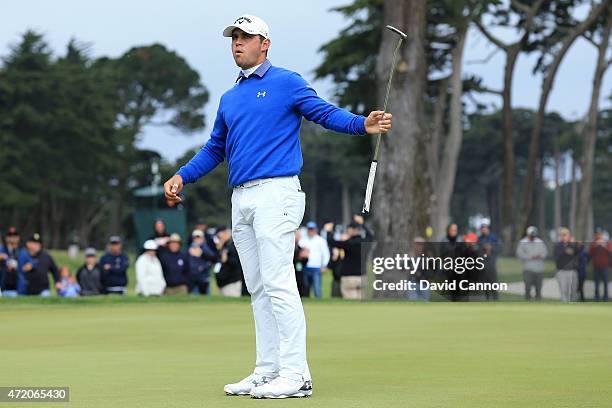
[369,188]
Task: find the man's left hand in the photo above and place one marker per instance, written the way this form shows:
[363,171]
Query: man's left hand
[378,122]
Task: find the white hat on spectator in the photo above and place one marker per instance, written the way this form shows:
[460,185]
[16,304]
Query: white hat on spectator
[197,233]
[150,245]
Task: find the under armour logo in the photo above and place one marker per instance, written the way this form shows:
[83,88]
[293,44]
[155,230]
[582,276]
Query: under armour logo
[262,94]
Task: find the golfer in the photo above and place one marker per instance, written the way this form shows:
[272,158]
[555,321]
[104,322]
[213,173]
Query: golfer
[257,131]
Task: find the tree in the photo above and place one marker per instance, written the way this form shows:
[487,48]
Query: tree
[554,47]
[526,14]
[155,86]
[590,131]
[401,194]
[458,15]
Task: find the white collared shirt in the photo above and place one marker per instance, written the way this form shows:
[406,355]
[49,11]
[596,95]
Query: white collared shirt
[248,72]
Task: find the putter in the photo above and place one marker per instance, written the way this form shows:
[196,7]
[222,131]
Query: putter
[370,186]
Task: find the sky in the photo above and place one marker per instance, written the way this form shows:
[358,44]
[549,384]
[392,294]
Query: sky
[193,28]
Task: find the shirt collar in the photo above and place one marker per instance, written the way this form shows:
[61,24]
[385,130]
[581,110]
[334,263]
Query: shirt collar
[260,71]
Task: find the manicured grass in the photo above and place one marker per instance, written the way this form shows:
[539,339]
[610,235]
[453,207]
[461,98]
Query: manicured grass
[178,352]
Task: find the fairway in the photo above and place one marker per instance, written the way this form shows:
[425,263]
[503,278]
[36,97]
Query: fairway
[179,353]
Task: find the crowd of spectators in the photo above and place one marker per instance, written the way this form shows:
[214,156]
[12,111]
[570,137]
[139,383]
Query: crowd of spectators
[168,266]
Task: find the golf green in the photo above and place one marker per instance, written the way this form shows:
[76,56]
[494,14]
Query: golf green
[179,353]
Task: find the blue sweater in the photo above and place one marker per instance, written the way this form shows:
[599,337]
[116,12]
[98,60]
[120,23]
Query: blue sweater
[115,274]
[257,127]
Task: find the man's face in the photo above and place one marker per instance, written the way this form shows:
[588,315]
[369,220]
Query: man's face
[90,260]
[198,240]
[12,240]
[33,247]
[115,248]
[565,237]
[312,232]
[599,235]
[248,50]
[174,246]
[160,227]
[224,235]
[452,230]
[484,230]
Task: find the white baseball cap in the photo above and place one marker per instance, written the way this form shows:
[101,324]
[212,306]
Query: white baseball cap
[249,24]
[150,245]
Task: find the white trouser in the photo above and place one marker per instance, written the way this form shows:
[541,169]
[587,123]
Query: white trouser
[265,216]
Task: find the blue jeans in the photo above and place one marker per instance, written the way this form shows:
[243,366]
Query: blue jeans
[45,293]
[10,293]
[601,275]
[312,278]
[418,293]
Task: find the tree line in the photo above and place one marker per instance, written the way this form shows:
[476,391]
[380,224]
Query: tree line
[421,168]
[68,131]
[69,127]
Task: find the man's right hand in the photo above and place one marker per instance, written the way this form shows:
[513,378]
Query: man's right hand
[172,188]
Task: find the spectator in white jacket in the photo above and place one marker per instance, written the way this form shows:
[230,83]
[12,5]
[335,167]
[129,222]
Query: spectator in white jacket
[149,275]
[532,251]
[318,258]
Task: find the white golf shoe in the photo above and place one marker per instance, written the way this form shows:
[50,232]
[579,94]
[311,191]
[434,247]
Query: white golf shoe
[281,387]
[246,385]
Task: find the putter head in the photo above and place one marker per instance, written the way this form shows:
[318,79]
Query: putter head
[398,32]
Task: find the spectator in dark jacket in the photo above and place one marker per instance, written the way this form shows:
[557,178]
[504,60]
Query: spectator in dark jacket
[10,275]
[300,259]
[114,265]
[600,252]
[351,282]
[175,264]
[452,246]
[208,237]
[566,253]
[201,258]
[89,275]
[160,236]
[489,245]
[229,270]
[36,265]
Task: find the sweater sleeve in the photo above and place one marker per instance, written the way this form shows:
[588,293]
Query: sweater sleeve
[317,110]
[209,156]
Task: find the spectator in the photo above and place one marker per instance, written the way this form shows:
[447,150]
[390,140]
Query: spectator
[600,252]
[300,258]
[489,245]
[67,286]
[89,275]
[318,257]
[160,235]
[114,265]
[175,265]
[201,257]
[566,254]
[532,251]
[351,282]
[208,237]
[335,265]
[36,265]
[229,271]
[149,274]
[451,247]
[583,260]
[11,277]
[418,249]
